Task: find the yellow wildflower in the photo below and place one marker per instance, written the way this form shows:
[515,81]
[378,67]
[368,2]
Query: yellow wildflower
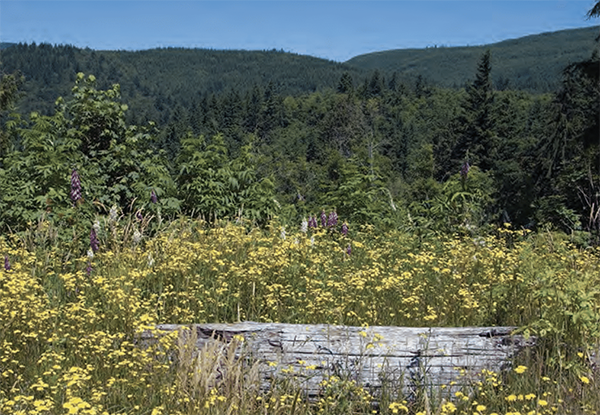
[520,369]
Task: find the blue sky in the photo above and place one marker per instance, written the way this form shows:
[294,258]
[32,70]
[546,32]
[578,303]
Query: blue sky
[336,30]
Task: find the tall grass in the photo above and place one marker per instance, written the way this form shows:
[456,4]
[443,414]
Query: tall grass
[70,322]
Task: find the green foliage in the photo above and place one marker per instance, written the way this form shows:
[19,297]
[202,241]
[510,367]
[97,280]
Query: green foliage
[216,187]
[10,85]
[459,206]
[476,142]
[420,174]
[570,153]
[358,194]
[121,159]
[97,114]
[375,151]
[154,82]
[466,202]
[37,175]
[116,163]
[532,63]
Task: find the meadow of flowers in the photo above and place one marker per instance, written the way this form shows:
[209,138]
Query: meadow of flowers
[70,322]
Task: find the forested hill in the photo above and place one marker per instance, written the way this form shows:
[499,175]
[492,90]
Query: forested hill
[164,78]
[532,63]
[155,82]
[152,80]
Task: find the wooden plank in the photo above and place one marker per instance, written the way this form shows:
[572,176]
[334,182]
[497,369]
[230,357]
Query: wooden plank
[407,357]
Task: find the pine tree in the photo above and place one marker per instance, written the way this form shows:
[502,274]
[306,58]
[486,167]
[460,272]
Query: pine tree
[376,85]
[476,140]
[346,85]
[10,85]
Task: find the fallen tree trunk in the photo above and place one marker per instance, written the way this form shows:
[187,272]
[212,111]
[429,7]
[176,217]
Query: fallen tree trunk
[405,358]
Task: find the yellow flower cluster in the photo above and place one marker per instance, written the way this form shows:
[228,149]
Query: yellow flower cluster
[69,341]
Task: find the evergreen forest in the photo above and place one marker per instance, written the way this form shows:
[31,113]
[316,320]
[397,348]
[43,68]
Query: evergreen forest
[273,134]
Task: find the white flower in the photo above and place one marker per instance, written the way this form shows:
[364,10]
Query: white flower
[283,233]
[304,226]
[150,260]
[90,253]
[96,226]
[112,214]
[137,237]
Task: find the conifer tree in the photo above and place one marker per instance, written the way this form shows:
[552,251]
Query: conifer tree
[9,93]
[476,140]
[346,85]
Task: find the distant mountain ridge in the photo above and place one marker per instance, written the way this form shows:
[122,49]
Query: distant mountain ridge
[154,79]
[155,82]
[532,63]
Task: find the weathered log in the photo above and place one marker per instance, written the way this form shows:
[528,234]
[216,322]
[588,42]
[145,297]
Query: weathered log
[407,358]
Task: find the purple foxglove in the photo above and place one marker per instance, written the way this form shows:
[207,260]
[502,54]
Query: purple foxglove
[323,218]
[153,197]
[88,269]
[332,220]
[345,229]
[312,221]
[349,250]
[464,171]
[6,263]
[94,244]
[75,186]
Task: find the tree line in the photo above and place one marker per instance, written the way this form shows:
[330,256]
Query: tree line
[380,151]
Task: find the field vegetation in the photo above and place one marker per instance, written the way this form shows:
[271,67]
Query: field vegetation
[70,322]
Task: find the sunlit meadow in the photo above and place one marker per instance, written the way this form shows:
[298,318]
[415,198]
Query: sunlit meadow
[70,323]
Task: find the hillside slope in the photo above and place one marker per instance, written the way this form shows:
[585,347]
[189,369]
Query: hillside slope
[166,76]
[531,63]
[156,82]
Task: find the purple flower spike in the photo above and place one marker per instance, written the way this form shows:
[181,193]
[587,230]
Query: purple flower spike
[323,218]
[94,244]
[332,220]
[464,171]
[139,215]
[153,197]
[75,186]
[88,269]
[312,221]
[6,263]
[345,229]
[349,250]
